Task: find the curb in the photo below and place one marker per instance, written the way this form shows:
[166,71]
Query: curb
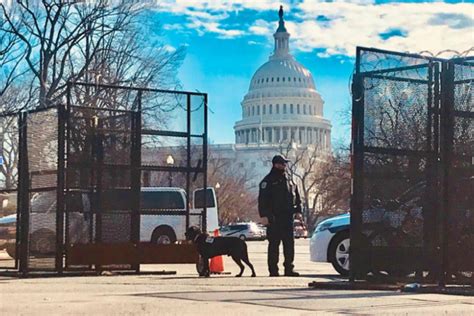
[405,288]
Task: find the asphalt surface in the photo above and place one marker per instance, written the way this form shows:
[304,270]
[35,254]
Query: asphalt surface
[187,294]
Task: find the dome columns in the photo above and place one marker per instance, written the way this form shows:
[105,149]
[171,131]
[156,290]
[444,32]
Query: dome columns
[274,135]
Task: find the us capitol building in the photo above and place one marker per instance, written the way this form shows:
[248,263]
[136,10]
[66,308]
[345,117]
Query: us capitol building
[281,107]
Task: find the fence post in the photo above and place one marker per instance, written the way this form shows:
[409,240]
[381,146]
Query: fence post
[446,148]
[136,177]
[357,162]
[60,191]
[23,196]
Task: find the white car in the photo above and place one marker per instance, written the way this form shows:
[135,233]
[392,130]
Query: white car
[244,231]
[330,242]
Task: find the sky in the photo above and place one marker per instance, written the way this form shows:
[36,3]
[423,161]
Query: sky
[227,41]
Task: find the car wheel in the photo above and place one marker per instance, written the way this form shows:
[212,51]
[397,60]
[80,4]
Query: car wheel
[11,250]
[242,237]
[339,252]
[163,236]
[43,242]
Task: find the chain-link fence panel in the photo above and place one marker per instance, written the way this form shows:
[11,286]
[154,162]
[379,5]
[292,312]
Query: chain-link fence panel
[9,152]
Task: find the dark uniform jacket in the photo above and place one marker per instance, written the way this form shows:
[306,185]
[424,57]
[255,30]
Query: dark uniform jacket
[276,199]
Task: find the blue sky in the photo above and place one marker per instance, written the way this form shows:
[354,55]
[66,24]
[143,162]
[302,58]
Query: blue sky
[226,41]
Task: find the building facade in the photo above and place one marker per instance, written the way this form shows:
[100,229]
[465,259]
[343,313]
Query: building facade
[281,108]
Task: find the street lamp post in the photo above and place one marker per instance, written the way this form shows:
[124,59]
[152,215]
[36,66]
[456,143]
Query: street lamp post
[170,162]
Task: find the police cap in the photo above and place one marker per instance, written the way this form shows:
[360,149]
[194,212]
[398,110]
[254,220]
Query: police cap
[279,159]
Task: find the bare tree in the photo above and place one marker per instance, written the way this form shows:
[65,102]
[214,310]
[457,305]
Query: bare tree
[11,56]
[323,180]
[46,43]
[90,41]
[236,201]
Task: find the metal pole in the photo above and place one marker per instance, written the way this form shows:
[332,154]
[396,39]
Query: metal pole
[136,180]
[188,159]
[60,191]
[67,144]
[23,188]
[204,217]
[357,162]
[447,133]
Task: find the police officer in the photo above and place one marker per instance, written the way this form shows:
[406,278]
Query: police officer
[277,205]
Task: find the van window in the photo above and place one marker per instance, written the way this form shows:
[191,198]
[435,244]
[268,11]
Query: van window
[43,202]
[115,200]
[162,200]
[199,196]
[239,227]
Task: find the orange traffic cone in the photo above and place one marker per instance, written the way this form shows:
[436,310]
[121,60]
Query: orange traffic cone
[217,263]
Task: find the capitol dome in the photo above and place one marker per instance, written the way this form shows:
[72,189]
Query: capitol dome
[282,103]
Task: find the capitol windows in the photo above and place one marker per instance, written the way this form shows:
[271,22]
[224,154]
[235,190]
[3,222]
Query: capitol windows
[283,79]
[277,109]
[263,109]
[267,79]
[289,79]
[304,109]
[272,79]
[294,79]
[310,110]
[278,79]
[299,79]
[253,110]
[258,109]
[291,108]
[270,109]
[284,108]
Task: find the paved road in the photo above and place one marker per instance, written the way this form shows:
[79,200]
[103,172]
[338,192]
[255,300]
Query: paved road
[186,294]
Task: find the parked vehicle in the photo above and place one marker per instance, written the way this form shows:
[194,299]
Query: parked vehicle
[299,229]
[8,234]
[263,229]
[392,222]
[162,218]
[245,231]
[330,243]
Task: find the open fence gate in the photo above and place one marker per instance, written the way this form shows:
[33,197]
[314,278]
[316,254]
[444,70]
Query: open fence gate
[412,167]
[77,171]
[102,186]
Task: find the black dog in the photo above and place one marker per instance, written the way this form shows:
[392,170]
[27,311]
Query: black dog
[209,247]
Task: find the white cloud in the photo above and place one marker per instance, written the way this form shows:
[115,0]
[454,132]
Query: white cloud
[173,27]
[182,6]
[262,27]
[345,24]
[354,25]
[169,48]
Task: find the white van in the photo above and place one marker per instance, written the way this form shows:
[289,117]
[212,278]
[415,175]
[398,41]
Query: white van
[163,213]
[162,219]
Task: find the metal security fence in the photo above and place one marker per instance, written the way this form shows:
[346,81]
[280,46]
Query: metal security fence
[9,149]
[412,149]
[76,177]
